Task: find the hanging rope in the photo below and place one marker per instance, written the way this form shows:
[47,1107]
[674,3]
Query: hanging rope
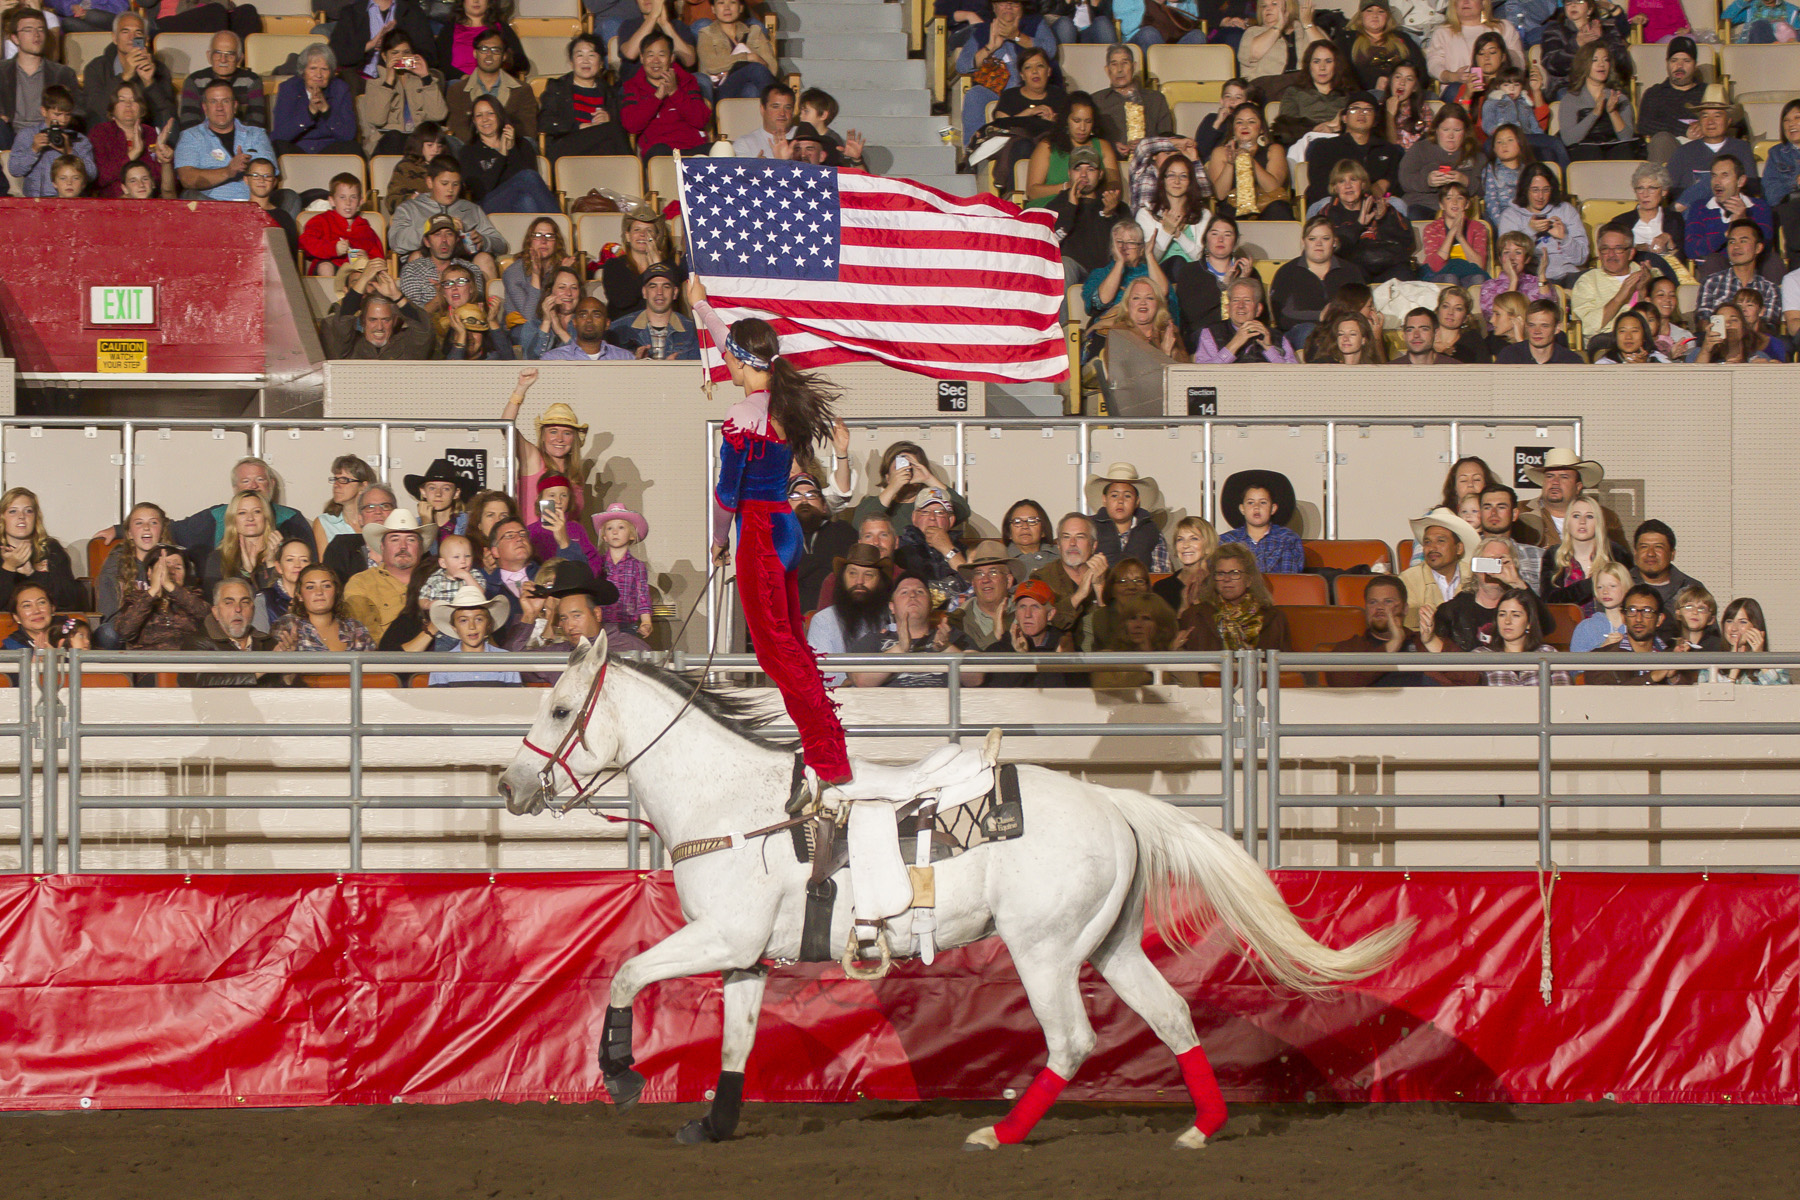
[1546,892]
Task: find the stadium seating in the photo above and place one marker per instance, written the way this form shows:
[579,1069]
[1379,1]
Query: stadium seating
[304,172]
[1187,73]
[1343,555]
[1316,627]
[1298,589]
[1567,616]
[266,53]
[182,53]
[576,175]
[1602,180]
[1084,66]
[1761,72]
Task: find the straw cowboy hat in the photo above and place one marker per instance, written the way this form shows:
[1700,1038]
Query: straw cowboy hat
[440,471]
[618,512]
[1562,458]
[1149,495]
[468,596]
[1716,95]
[560,414]
[1465,532]
[986,554]
[403,521]
[1279,487]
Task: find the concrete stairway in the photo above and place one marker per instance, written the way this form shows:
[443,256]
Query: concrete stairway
[856,50]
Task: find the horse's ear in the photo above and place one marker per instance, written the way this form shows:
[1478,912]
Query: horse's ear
[582,649]
[600,645]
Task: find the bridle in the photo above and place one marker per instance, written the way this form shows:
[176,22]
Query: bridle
[576,734]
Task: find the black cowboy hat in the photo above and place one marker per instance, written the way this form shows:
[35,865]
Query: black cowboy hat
[576,579]
[440,471]
[1280,490]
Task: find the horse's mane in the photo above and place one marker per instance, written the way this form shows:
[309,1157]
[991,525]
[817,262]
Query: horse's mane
[737,710]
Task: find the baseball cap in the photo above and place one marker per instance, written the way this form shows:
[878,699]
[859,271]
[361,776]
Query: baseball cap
[1682,45]
[1035,589]
[929,496]
[440,221]
[803,477]
[1368,98]
[1084,155]
[660,270]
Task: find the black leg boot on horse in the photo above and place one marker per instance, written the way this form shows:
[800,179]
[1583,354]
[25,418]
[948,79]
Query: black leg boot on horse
[623,1084]
[721,1121]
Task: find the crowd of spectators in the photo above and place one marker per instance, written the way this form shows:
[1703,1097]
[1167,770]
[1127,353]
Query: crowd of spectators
[1431,156]
[1482,573]
[437,563]
[449,89]
[890,566]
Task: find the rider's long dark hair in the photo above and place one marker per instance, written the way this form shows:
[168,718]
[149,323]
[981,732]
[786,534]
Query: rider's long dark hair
[799,401]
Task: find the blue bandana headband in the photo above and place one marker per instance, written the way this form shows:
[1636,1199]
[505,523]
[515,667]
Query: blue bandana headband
[754,362]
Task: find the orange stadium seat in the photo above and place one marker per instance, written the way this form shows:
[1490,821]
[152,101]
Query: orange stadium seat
[1343,555]
[1298,589]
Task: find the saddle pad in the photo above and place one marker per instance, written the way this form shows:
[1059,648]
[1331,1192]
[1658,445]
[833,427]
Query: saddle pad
[879,884]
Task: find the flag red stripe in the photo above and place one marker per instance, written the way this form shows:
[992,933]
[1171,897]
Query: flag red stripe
[900,201]
[951,240]
[948,277]
[924,351]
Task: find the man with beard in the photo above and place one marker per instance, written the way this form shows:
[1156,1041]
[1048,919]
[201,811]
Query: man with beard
[1565,477]
[228,628]
[859,604]
[1031,632]
[1077,578]
[1643,617]
[1500,514]
[1384,609]
[1446,542]
[377,597]
[823,540]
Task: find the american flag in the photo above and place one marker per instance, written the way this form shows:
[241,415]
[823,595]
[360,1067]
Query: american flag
[851,267]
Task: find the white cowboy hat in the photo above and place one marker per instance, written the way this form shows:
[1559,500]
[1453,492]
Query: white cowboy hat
[402,521]
[1465,532]
[468,596]
[1149,495]
[1563,458]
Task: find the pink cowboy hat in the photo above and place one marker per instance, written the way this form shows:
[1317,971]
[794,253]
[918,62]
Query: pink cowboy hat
[618,512]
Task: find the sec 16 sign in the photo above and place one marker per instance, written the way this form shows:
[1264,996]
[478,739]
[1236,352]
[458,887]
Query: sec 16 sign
[121,305]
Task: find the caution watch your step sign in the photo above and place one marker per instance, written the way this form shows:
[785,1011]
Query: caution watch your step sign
[122,356]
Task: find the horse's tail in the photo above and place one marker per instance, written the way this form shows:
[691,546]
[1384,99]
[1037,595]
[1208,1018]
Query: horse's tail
[1190,871]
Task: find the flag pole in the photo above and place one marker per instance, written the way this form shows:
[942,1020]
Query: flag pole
[693,269]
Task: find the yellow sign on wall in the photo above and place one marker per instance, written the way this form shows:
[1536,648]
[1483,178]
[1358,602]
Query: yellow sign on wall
[122,356]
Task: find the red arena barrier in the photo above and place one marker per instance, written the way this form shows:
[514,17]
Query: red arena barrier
[226,990]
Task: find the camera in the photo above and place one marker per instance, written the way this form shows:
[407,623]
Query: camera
[56,137]
[902,462]
[1486,566]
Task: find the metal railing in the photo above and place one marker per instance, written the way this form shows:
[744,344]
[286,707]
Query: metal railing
[1544,729]
[1255,738]
[257,430]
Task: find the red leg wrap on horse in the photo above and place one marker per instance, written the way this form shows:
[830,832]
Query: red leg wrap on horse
[1209,1105]
[1013,1128]
[771,601]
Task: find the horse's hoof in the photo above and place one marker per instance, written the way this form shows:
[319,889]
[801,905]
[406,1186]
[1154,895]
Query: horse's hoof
[695,1133]
[982,1139]
[624,1088]
[1191,1139]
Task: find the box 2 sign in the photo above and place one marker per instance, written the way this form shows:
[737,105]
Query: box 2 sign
[1525,457]
[112,305]
[470,463]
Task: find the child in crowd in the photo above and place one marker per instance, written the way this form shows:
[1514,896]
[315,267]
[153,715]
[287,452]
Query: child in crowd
[68,177]
[38,145]
[1750,303]
[332,236]
[619,528]
[818,108]
[423,144]
[71,633]
[554,504]
[456,569]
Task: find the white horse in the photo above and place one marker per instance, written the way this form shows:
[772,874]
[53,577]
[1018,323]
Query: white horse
[1072,888]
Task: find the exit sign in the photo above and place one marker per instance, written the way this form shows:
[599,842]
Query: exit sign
[111,305]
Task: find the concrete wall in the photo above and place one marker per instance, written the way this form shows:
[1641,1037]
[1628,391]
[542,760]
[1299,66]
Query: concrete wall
[1371,834]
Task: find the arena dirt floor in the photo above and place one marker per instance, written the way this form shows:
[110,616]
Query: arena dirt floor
[892,1151]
